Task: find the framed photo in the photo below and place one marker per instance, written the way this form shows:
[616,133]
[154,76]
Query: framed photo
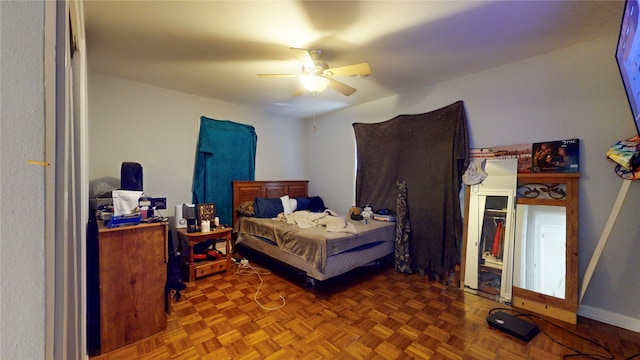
[206,211]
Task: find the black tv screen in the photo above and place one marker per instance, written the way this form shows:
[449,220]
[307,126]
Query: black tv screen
[628,57]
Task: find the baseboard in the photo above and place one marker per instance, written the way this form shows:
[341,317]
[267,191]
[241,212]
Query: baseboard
[622,321]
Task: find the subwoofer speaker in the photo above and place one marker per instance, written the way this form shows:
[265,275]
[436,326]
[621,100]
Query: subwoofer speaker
[131,176]
[513,326]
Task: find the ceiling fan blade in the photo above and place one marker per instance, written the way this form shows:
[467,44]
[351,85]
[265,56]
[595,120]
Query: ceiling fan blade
[343,88]
[362,69]
[276,75]
[304,57]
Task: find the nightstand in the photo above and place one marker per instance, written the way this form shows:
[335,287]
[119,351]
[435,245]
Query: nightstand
[207,267]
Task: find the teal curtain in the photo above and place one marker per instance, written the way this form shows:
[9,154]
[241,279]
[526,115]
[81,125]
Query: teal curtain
[226,152]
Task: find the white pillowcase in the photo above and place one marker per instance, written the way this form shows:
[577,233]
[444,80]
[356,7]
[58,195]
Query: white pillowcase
[289,205]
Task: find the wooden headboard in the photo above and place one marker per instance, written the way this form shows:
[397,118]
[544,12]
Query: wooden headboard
[245,190]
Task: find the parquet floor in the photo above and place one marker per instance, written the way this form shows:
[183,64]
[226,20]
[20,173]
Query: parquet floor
[371,313]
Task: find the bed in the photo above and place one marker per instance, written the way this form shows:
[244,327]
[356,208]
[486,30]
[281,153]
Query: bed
[316,252]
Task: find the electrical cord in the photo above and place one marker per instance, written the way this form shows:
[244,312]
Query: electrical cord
[245,269]
[576,351]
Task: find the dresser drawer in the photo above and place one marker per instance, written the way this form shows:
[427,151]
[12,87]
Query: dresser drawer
[208,268]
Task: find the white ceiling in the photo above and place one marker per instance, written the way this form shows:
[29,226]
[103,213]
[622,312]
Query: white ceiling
[215,48]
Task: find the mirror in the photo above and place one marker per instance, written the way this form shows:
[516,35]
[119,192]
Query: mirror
[488,268]
[545,268]
[539,253]
[540,273]
[488,247]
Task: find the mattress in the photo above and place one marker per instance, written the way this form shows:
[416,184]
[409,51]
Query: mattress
[334,265]
[315,245]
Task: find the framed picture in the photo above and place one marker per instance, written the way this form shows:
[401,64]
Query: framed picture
[206,211]
[556,156]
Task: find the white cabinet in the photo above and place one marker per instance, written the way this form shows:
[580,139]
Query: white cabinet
[490,232]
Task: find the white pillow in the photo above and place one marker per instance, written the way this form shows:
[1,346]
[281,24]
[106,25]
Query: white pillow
[293,203]
[286,204]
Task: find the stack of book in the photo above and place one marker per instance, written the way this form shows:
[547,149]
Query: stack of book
[123,220]
[379,217]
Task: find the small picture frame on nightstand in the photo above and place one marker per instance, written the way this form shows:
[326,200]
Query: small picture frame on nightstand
[206,211]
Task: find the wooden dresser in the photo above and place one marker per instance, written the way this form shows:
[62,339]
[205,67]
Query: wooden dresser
[132,276]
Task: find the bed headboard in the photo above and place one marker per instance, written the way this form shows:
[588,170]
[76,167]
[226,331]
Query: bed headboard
[246,190]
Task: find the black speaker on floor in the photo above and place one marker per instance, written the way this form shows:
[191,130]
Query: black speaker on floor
[513,326]
[131,176]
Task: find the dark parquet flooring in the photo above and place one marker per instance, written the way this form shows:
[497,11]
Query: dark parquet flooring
[370,313]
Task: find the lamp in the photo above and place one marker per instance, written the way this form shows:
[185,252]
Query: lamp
[314,83]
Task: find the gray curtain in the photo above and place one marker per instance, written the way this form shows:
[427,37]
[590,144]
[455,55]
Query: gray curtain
[428,151]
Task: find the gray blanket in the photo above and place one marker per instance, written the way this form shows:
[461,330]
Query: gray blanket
[316,244]
[428,151]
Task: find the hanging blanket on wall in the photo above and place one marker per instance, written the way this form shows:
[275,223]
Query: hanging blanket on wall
[428,151]
[226,152]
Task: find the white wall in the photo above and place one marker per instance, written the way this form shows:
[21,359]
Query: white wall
[572,93]
[130,121]
[22,186]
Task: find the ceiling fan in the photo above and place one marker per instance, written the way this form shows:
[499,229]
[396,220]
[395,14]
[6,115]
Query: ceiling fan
[317,75]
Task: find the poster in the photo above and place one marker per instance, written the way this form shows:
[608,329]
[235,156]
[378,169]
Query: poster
[555,156]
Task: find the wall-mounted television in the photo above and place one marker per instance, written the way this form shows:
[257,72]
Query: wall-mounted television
[628,57]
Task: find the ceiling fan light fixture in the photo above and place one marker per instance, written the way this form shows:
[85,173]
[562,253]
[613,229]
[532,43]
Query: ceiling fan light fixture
[314,83]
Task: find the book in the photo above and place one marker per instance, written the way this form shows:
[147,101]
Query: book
[379,217]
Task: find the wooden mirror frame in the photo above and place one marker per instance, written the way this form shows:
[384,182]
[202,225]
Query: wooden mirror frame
[562,309]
